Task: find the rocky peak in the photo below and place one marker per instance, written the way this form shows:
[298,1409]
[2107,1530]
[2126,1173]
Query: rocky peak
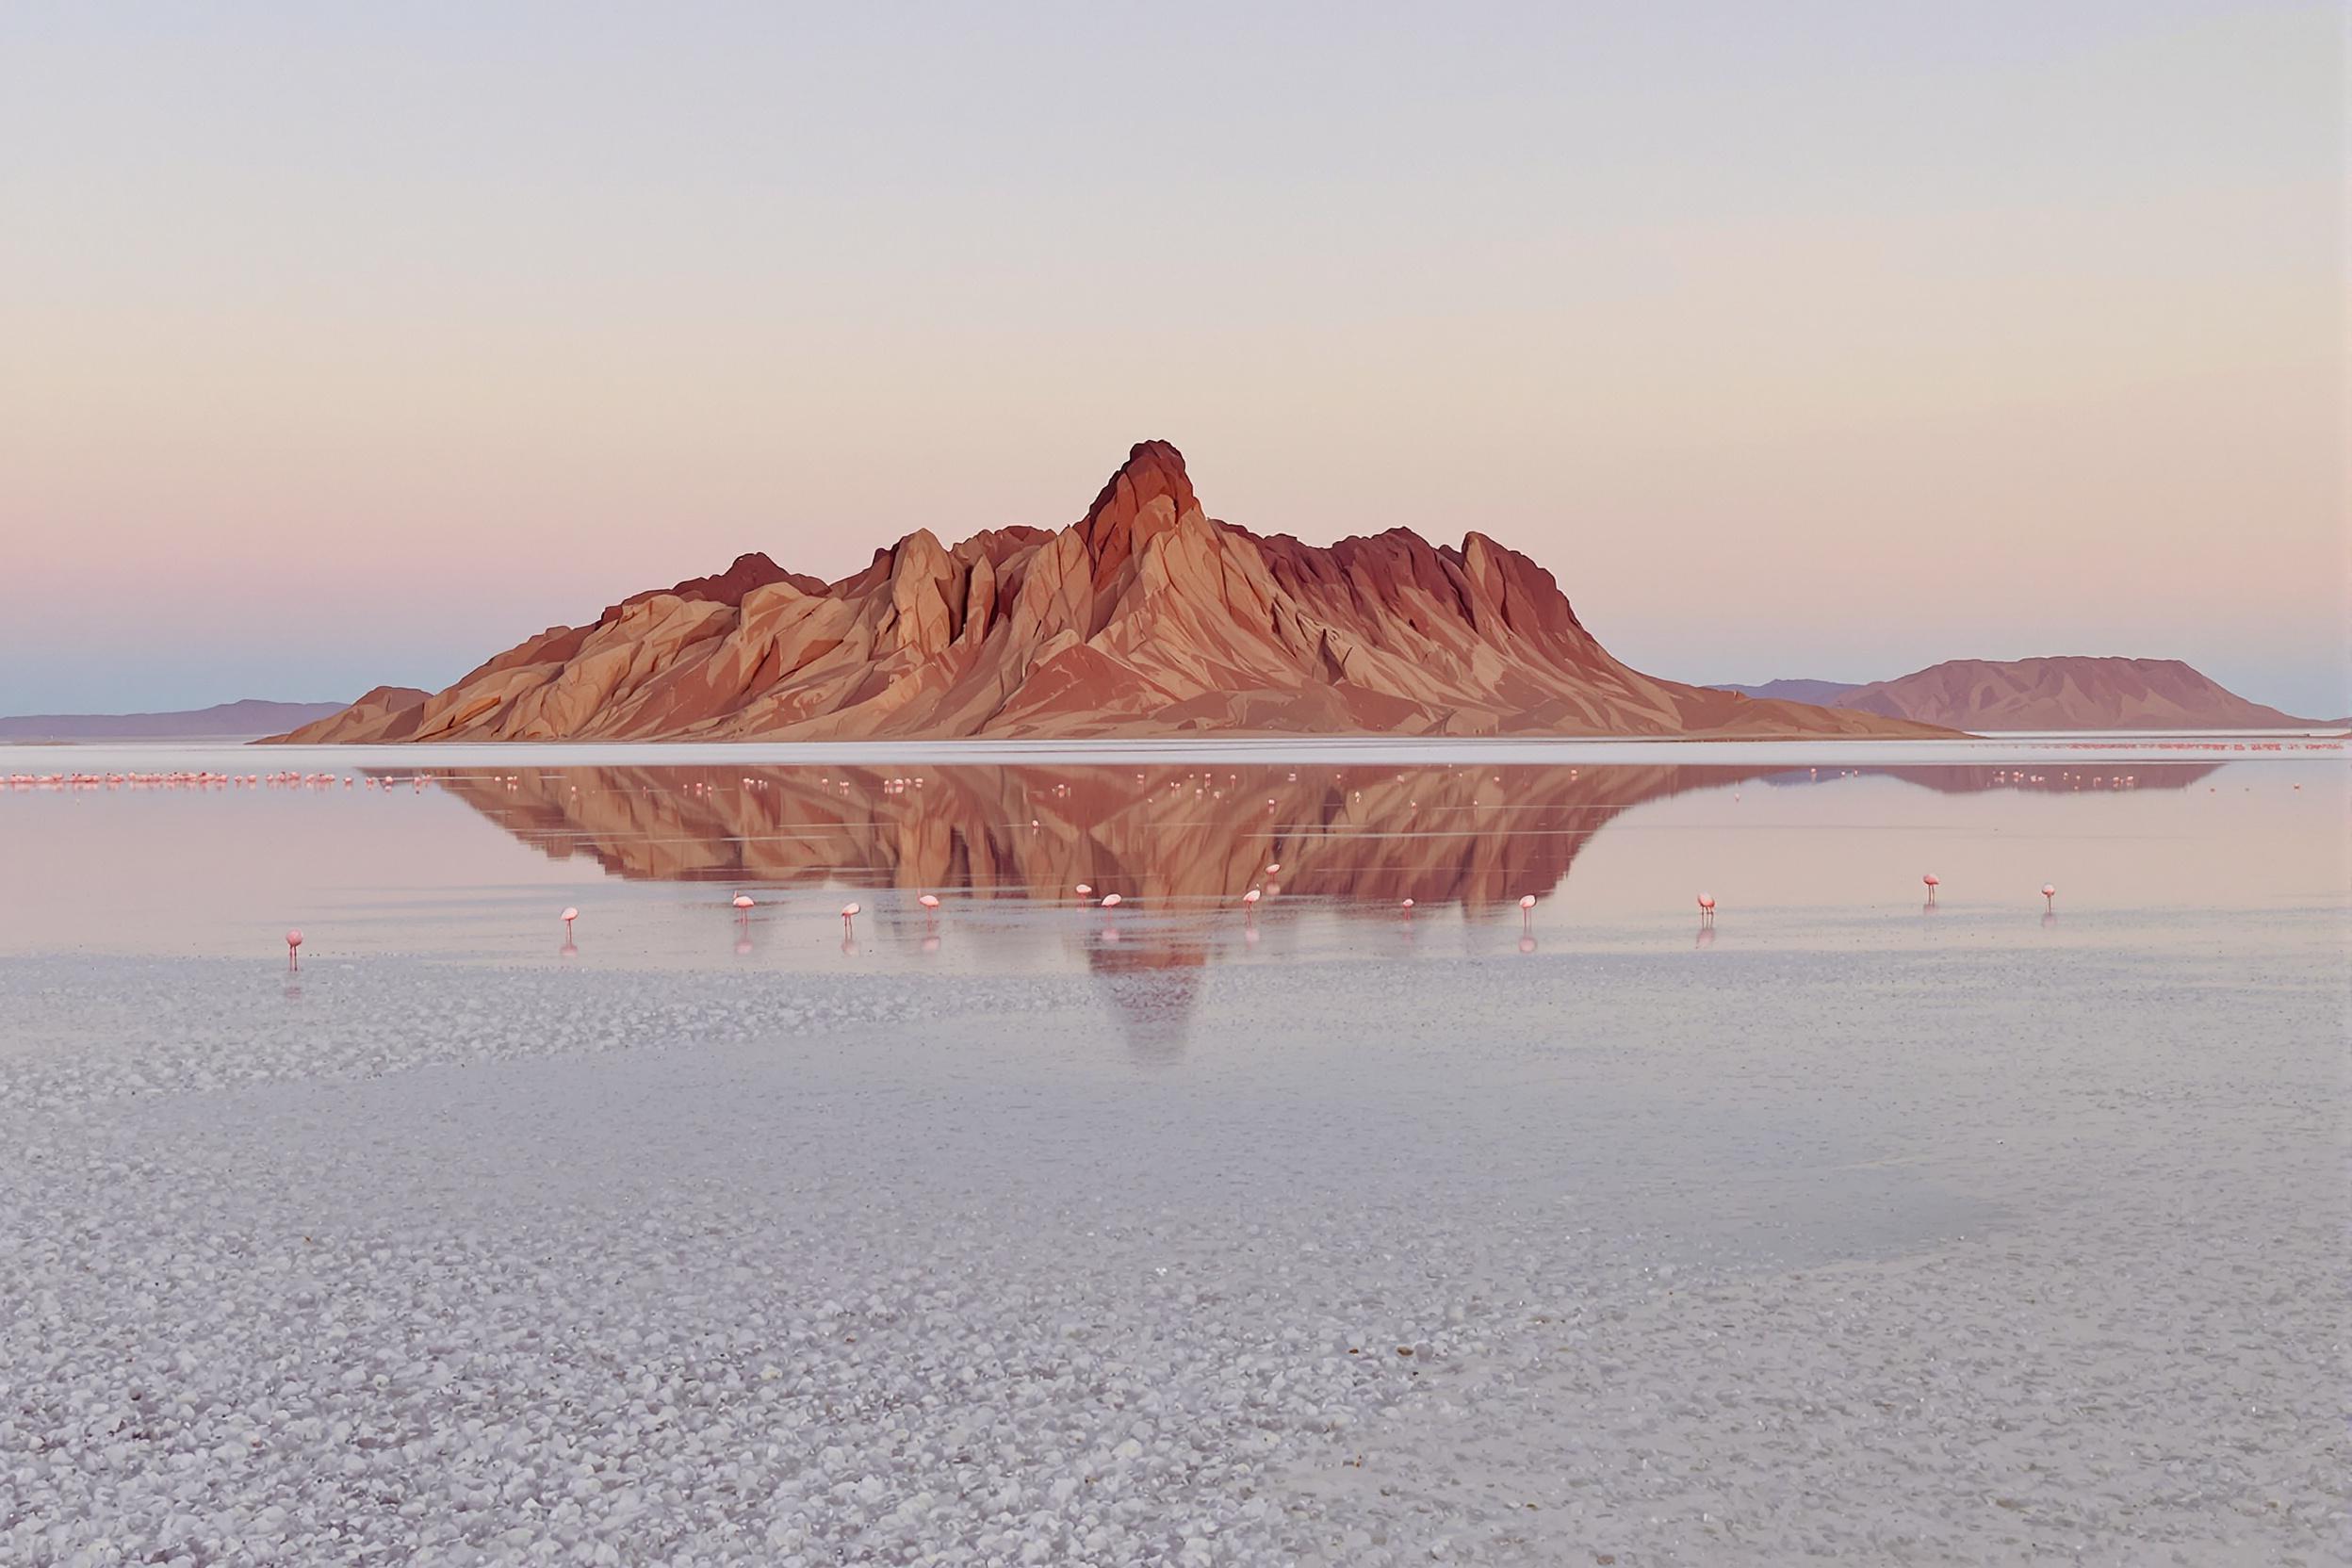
[1149,495]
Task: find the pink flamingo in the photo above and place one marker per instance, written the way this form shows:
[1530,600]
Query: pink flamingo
[1251,897]
[1084,891]
[1272,867]
[569,916]
[1526,912]
[2050,896]
[1933,882]
[1110,901]
[1406,907]
[1707,909]
[742,900]
[929,901]
[849,912]
[293,950]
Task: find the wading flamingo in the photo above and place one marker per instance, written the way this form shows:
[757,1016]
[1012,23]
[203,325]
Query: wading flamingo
[2050,896]
[1527,911]
[569,916]
[1707,909]
[293,950]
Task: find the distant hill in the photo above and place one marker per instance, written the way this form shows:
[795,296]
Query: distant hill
[226,721]
[2072,692]
[1826,692]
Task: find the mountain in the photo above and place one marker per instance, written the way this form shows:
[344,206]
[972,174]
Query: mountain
[2067,693]
[1825,692]
[239,720]
[1144,618]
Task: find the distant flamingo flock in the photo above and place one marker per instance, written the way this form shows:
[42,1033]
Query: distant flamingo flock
[742,903]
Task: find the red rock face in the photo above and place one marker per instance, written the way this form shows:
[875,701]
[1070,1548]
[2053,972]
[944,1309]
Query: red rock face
[2065,694]
[1144,618]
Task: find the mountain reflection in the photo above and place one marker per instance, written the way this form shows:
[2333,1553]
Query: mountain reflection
[1160,836]
[1178,845]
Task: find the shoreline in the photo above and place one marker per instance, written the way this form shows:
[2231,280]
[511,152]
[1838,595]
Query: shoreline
[1582,751]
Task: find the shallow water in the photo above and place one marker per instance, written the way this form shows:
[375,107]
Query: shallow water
[458,862]
[1855,1224]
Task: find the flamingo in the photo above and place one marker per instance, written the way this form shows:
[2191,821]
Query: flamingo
[1272,867]
[1406,906]
[742,900]
[849,912]
[929,901]
[1084,891]
[293,950]
[1707,909]
[1251,897]
[2050,896]
[569,916]
[1110,901]
[1527,911]
[1933,882]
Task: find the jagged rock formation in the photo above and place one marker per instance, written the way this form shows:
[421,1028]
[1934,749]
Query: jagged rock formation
[1145,617]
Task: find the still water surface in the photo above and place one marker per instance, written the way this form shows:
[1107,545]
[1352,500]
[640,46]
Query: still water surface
[473,862]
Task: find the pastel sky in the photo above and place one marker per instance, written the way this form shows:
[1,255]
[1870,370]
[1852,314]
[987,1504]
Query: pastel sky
[343,345]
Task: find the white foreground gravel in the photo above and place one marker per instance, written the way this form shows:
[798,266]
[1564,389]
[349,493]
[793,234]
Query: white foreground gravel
[1693,1258]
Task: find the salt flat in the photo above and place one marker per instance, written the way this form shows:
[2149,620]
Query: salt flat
[464,1264]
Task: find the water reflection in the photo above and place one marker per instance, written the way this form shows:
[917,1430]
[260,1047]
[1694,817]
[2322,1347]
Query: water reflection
[1480,837]
[475,865]
[1181,848]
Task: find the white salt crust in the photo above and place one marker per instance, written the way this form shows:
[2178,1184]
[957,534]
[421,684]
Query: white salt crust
[1713,1258]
